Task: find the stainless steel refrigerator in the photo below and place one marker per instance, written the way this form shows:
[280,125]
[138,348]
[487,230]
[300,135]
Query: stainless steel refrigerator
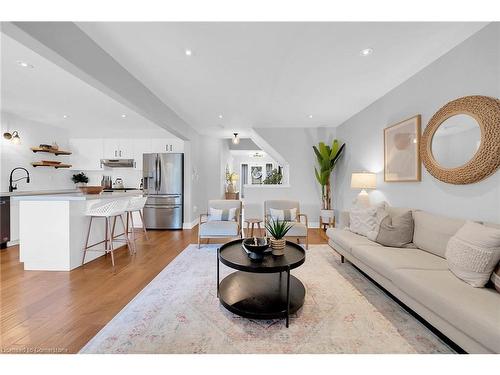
[163,183]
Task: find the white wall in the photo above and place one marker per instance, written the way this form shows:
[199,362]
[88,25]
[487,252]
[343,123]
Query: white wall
[472,68]
[295,145]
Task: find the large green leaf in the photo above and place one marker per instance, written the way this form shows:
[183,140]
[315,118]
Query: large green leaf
[335,149]
[324,151]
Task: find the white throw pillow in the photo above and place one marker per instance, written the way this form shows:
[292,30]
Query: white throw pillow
[283,215]
[473,252]
[228,214]
[362,220]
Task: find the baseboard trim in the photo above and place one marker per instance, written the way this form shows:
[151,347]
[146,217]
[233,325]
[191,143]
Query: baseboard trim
[190,225]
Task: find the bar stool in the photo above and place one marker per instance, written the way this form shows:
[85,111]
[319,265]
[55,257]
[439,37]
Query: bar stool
[108,211]
[136,204]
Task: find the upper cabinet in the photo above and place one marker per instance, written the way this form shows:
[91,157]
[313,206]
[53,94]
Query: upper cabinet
[167,145]
[118,148]
[87,153]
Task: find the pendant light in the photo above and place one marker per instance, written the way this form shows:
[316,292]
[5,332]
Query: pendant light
[236,139]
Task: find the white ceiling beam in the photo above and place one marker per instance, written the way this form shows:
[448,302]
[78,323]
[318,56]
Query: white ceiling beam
[67,46]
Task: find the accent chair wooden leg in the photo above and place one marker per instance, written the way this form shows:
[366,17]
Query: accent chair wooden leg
[307,242]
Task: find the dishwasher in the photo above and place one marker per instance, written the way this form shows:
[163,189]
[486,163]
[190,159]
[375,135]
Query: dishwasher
[4,221]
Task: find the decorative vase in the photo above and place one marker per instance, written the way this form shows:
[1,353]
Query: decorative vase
[278,246]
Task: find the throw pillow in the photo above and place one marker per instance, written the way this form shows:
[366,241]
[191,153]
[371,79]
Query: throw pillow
[495,278]
[396,231]
[283,215]
[473,252]
[362,220]
[228,214]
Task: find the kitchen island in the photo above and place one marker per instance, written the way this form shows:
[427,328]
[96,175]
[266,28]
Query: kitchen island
[53,228]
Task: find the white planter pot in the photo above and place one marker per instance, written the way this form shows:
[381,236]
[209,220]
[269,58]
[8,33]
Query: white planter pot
[326,215]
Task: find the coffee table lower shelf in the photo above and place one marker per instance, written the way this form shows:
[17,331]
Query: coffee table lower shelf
[261,295]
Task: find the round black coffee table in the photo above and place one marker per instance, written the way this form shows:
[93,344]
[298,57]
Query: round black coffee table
[258,290]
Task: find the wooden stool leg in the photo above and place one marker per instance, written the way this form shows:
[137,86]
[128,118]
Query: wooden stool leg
[87,241]
[143,225]
[125,233]
[108,226]
[132,230]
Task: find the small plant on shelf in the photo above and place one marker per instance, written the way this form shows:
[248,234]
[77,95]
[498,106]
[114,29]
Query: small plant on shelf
[80,179]
[278,229]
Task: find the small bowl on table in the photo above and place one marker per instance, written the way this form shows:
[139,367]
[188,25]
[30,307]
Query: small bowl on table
[91,189]
[256,247]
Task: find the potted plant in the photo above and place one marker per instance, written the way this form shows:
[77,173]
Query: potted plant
[327,158]
[278,229]
[80,179]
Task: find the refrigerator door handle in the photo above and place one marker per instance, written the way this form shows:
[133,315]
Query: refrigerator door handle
[159,173]
[156,173]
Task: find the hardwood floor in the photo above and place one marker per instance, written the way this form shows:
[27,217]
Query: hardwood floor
[59,312]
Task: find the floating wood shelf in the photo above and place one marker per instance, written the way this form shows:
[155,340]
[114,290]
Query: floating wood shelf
[50,151]
[56,166]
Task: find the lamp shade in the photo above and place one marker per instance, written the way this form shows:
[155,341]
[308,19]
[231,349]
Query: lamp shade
[363,180]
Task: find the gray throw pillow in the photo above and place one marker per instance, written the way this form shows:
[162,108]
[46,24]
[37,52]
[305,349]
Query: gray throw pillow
[396,231]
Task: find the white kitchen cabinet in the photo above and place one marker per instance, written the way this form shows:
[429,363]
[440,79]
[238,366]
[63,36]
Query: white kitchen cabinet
[167,145]
[141,146]
[86,153]
[119,148]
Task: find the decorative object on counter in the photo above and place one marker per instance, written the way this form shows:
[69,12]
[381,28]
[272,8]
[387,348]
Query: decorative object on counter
[118,183]
[472,124]
[48,149]
[256,247]
[91,189]
[274,177]
[278,229]
[80,179]
[14,187]
[363,180]
[401,156]
[231,178]
[13,137]
[106,182]
[327,158]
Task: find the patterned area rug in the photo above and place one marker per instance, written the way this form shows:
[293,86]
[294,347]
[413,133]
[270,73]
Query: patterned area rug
[178,312]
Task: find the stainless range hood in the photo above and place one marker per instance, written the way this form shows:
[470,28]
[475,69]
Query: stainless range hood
[118,163]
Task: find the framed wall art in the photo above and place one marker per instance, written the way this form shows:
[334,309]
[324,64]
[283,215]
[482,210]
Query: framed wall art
[401,151]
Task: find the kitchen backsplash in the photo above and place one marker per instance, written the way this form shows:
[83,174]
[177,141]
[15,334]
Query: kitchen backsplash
[131,177]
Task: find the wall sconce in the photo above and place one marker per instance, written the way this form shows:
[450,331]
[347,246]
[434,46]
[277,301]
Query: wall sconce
[13,137]
[236,139]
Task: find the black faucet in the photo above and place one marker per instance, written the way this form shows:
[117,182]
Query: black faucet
[14,187]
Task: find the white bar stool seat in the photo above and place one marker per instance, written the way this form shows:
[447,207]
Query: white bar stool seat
[109,210]
[136,204]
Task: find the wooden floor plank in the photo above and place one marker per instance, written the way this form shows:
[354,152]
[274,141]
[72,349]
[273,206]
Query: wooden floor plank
[59,312]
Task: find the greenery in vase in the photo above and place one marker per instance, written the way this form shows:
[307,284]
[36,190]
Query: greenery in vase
[327,158]
[80,178]
[273,178]
[278,228]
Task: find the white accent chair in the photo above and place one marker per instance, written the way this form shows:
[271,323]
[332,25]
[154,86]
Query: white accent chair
[220,229]
[299,229]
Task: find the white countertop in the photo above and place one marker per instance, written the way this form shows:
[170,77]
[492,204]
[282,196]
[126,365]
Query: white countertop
[17,193]
[77,196]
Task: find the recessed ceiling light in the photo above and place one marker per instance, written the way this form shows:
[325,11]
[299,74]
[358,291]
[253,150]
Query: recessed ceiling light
[24,64]
[124,116]
[310,116]
[188,52]
[220,116]
[366,52]
[65,116]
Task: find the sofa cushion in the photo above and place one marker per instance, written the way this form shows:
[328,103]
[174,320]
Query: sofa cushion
[385,260]
[474,311]
[219,229]
[362,220]
[432,232]
[347,239]
[396,231]
[473,252]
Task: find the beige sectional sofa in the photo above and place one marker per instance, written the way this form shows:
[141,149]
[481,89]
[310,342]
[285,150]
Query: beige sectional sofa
[420,278]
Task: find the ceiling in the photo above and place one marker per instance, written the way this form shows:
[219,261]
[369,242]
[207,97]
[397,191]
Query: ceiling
[46,93]
[273,74]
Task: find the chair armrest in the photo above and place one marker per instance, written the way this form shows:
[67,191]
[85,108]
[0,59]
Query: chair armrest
[305,216]
[201,218]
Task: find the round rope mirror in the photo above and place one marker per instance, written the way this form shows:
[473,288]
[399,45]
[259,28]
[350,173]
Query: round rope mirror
[475,160]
